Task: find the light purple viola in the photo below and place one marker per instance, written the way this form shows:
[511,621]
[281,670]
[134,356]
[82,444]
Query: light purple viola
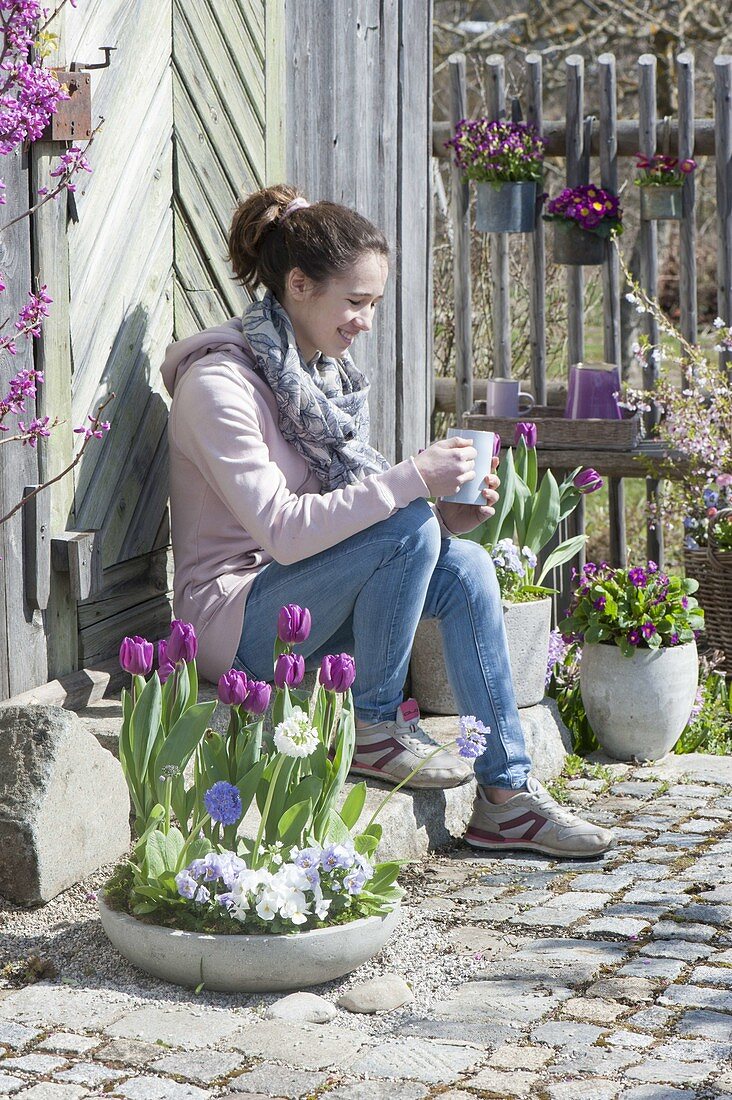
[136,655]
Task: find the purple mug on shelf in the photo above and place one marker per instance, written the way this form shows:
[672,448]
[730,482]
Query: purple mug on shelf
[592,392]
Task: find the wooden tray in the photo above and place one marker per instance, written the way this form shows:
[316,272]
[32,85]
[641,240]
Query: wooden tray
[554,432]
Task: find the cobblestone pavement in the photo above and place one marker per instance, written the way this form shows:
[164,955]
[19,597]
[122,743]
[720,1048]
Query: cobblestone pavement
[556,980]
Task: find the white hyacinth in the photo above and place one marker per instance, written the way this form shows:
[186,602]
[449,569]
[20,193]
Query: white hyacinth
[295,736]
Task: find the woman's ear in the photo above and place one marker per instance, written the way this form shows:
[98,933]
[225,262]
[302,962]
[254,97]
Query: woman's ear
[297,284]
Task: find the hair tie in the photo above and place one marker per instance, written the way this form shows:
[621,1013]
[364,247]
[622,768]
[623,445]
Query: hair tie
[297,204]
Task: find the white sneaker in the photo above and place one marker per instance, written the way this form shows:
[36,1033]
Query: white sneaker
[391,750]
[531,819]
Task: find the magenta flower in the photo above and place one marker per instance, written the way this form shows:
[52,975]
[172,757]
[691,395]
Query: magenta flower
[648,629]
[496,445]
[588,481]
[258,696]
[182,643]
[136,655]
[599,604]
[337,672]
[634,637]
[233,687]
[289,669]
[637,577]
[686,166]
[293,624]
[527,432]
[165,667]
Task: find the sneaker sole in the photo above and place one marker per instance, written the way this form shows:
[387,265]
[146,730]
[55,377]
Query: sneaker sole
[439,785]
[531,846]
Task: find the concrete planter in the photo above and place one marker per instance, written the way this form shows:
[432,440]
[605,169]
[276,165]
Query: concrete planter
[659,203]
[527,633]
[576,247]
[638,706]
[246,964]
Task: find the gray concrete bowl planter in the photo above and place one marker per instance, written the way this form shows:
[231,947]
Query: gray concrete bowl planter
[638,706]
[527,633]
[246,964]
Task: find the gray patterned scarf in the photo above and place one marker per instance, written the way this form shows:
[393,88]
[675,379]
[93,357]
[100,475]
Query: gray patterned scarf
[322,406]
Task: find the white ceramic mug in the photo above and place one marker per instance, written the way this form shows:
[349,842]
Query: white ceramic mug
[504,397]
[484,442]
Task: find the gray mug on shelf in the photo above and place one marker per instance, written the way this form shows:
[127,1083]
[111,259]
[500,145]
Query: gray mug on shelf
[504,397]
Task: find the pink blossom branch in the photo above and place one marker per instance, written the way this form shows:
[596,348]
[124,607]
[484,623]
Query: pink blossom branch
[90,433]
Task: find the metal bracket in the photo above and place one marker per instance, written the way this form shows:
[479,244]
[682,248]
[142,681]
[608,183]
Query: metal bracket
[72,119]
[77,66]
[79,553]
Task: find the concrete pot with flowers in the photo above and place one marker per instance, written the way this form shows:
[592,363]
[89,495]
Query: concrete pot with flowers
[639,670]
[527,516]
[584,219]
[303,900]
[506,161]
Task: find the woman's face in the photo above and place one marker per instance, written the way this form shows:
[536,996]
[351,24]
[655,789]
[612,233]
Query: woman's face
[328,317]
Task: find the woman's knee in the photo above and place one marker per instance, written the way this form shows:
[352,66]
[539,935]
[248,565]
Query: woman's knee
[416,526]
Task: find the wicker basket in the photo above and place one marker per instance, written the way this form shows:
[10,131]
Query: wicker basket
[718,586]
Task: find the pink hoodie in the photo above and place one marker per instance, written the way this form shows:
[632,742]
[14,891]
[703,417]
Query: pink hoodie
[241,496]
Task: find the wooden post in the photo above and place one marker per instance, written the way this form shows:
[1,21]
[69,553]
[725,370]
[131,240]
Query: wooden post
[460,194]
[500,278]
[611,282]
[575,70]
[723,129]
[687,229]
[537,243]
[649,271]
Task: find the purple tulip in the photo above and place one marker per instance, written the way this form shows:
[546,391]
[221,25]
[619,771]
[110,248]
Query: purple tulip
[258,696]
[182,644]
[337,672]
[527,432]
[588,481]
[165,667]
[293,624]
[290,669]
[496,445]
[136,655]
[233,687]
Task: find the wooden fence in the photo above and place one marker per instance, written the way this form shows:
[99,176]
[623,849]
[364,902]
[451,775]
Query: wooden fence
[577,139]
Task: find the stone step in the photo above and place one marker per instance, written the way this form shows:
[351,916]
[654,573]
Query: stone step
[415,822]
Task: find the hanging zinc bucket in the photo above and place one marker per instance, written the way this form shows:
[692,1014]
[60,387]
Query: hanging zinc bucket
[661,203]
[575,246]
[508,208]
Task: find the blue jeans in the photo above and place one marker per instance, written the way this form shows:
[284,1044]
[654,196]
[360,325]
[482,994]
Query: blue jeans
[366,596]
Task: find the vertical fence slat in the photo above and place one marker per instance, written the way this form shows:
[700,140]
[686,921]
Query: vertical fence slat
[575,72]
[611,282]
[500,278]
[723,139]
[687,229]
[537,243]
[460,194]
[649,265]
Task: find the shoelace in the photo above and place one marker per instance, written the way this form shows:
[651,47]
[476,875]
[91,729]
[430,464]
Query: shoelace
[554,811]
[416,739]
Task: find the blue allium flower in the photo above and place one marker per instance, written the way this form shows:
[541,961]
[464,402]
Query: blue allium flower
[471,740]
[223,803]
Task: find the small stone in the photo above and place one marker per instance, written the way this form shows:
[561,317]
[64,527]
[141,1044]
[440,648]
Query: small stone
[644,967]
[696,1050]
[592,1010]
[631,1040]
[582,899]
[651,1019]
[269,1080]
[494,1082]
[658,1092]
[303,1008]
[305,1046]
[563,1033]
[391,1090]
[155,1088]
[603,1061]
[696,996]
[473,1031]
[718,915]
[705,1025]
[577,1090]
[16,1035]
[418,1059]
[68,1043]
[9,1084]
[630,990]
[200,1066]
[471,940]
[512,1056]
[49,1090]
[712,975]
[381,994]
[667,1069]
[616,926]
[91,1074]
[34,1063]
[175,1026]
[128,1052]
[677,949]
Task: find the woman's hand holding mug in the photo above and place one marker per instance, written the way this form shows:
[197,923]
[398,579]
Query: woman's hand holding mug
[447,465]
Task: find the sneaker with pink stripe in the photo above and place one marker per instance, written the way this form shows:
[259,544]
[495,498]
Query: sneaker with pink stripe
[391,750]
